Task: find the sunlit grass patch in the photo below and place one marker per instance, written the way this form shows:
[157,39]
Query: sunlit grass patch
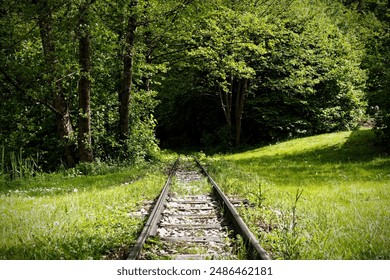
[343,212]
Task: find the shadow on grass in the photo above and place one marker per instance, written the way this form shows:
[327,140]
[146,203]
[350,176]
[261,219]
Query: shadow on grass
[359,147]
[356,158]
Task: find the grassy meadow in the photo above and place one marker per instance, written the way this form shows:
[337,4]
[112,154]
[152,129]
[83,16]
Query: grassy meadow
[321,197]
[73,216]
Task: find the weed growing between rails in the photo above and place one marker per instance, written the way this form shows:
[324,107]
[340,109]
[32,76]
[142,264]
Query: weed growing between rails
[193,223]
[188,180]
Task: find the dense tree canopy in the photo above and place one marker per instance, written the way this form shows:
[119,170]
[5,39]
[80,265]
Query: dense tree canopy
[289,70]
[80,80]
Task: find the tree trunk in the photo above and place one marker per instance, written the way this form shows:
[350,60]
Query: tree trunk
[226,103]
[84,90]
[57,100]
[125,93]
[241,86]
[65,131]
[146,79]
[238,88]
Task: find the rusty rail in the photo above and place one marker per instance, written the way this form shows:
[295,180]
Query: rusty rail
[154,218]
[255,251]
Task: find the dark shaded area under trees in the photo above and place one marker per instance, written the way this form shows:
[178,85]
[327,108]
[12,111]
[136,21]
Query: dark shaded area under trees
[87,80]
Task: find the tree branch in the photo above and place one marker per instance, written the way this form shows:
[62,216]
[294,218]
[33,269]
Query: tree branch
[24,94]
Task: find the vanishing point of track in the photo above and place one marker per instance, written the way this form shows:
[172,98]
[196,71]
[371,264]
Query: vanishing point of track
[186,224]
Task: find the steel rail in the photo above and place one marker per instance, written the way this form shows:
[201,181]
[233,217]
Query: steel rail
[152,222]
[254,249]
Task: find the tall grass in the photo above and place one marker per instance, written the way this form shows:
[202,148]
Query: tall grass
[15,165]
[343,210]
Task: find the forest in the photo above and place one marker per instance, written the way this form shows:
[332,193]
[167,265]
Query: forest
[86,81]
[285,102]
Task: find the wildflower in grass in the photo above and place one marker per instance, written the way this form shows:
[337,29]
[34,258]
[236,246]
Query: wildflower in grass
[56,223]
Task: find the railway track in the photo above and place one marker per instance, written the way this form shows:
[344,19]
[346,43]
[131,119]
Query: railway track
[193,219]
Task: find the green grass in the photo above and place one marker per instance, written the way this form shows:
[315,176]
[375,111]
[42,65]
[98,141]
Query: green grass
[72,216]
[343,211]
